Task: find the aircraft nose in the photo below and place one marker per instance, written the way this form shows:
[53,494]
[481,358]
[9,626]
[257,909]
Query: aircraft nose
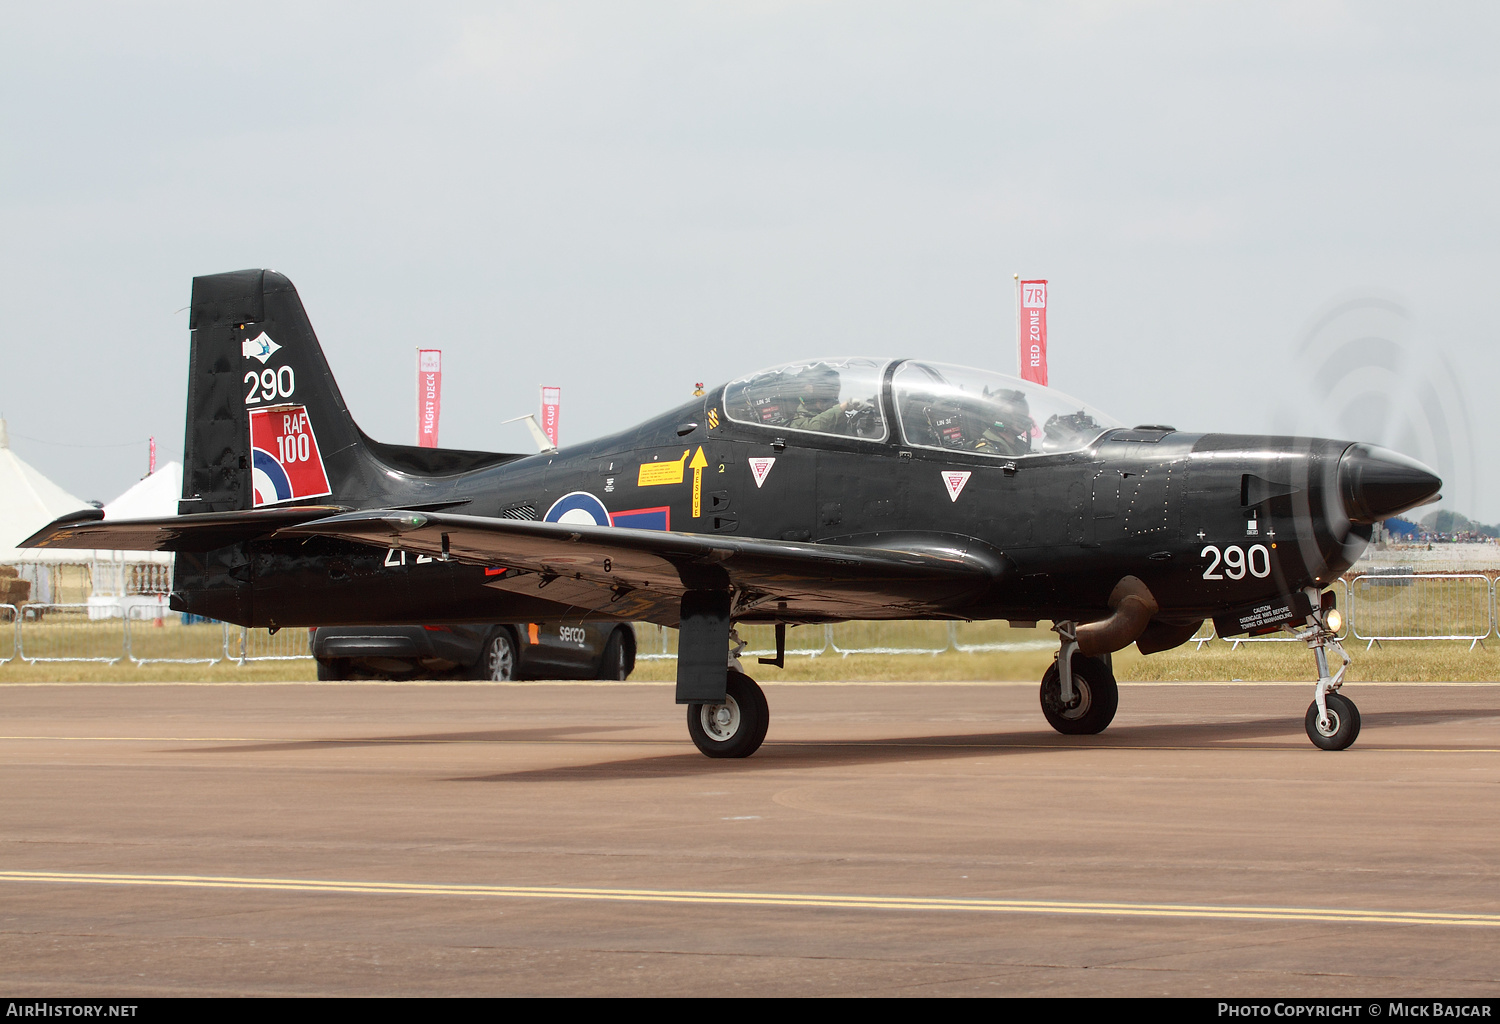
[1377,483]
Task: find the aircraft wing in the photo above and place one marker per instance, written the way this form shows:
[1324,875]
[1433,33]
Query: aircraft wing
[201,531]
[627,572]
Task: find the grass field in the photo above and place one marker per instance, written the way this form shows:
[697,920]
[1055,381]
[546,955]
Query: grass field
[1030,652]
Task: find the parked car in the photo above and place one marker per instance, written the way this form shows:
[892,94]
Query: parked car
[591,650]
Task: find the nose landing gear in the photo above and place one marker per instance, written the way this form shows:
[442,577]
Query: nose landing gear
[1332,718]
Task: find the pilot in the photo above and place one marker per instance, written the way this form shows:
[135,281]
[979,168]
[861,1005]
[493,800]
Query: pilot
[1009,429]
[818,407]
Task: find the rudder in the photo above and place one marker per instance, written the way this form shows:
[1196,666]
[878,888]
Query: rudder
[266,423]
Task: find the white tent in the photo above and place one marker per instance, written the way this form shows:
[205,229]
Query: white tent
[123,582]
[28,502]
[120,576]
[151,497]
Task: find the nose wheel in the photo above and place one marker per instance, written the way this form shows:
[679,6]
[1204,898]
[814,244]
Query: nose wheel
[1339,728]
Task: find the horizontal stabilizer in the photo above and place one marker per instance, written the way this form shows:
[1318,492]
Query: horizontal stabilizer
[202,531]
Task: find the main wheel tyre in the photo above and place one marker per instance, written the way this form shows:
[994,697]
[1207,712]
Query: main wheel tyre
[735,728]
[498,662]
[1343,723]
[1096,698]
[612,664]
[333,669]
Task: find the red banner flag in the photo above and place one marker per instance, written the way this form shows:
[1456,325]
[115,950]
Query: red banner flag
[1031,331]
[429,395]
[551,403]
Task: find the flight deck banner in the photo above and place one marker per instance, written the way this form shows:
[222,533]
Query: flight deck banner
[429,395]
[1031,331]
[551,411]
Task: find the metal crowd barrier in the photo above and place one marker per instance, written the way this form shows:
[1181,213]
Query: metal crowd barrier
[1204,635]
[889,638]
[663,641]
[170,640]
[969,638]
[1422,606]
[245,644]
[9,624]
[1377,607]
[68,632]
[846,638]
[80,633]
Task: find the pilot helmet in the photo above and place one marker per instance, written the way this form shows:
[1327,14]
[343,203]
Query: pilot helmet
[1011,411]
[819,383]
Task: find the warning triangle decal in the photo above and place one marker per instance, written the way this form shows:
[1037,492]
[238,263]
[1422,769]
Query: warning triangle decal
[955,483]
[760,469]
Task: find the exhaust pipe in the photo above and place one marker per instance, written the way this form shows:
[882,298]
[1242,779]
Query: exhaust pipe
[1133,607]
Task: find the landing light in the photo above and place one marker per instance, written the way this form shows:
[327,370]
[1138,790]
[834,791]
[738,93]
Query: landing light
[1335,620]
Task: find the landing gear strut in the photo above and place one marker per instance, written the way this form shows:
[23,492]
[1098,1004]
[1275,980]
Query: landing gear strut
[1079,694]
[1332,718]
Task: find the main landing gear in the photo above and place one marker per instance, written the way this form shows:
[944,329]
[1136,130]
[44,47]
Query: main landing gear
[1332,719]
[1079,693]
[737,727]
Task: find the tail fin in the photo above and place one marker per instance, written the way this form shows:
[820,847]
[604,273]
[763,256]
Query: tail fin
[266,424]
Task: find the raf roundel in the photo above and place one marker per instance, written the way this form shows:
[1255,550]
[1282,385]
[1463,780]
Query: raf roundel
[271,481]
[579,508]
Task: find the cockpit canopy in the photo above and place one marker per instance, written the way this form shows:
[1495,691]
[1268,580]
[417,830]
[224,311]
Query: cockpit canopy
[937,405]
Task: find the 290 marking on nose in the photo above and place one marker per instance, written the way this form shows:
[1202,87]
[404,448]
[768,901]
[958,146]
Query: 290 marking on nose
[1236,562]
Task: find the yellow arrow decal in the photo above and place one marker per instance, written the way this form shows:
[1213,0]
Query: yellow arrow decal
[698,463]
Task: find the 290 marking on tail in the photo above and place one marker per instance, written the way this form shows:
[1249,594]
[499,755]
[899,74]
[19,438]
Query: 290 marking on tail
[269,385]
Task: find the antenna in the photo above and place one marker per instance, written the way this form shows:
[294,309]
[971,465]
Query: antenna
[543,444]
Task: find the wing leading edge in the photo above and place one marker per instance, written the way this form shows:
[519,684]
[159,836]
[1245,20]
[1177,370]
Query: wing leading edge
[644,573]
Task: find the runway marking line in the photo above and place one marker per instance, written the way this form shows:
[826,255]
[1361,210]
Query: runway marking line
[665,683]
[915,743]
[774,899]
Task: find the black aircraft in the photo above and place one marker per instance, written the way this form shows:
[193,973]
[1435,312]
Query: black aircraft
[817,491]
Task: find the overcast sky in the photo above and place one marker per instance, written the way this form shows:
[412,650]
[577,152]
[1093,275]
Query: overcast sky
[625,198]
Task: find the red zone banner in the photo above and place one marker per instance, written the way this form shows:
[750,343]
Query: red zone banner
[284,453]
[1031,332]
